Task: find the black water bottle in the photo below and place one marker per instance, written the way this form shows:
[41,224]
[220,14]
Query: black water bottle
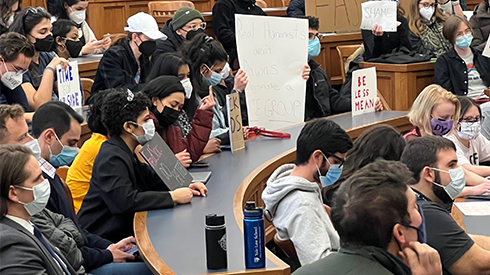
[216,242]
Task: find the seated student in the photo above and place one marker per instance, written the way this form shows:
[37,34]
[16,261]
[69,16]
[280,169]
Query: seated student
[439,180]
[23,249]
[292,196]
[471,146]
[186,21]
[451,7]
[462,70]
[16,53]
[167,96]
[378,221]
[377,42]
[485,123]
[39,81]
[377,142]
[8,8]
[425,21]
[120,184]
[480,24]
[296,8]
[75,10]
[224,24]
[128,64]
[67,44]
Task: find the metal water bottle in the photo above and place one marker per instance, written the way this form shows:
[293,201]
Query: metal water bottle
[216,242]
[253,230]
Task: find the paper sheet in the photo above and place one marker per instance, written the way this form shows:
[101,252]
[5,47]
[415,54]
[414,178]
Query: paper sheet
[474,208]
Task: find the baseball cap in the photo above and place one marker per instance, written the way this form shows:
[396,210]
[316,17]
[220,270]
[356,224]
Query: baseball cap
[146,24]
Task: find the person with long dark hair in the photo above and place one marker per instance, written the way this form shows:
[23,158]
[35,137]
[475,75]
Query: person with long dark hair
[8,8]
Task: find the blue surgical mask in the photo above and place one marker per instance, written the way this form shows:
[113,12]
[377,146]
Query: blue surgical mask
[333,174]
[464,41]
[65,157]
[214,80]
[314,48]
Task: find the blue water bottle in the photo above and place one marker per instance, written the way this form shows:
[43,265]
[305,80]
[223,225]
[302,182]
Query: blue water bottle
[253,230]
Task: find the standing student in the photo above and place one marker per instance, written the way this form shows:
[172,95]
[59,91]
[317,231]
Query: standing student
[480,23]
[425,21]
[8,8]
[296,8]
[128,64]
[462,70]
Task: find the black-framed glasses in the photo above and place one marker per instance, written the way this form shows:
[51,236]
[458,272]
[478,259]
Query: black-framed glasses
[471,119]
[340,160]
[312,35]
[201,25]
[427,4]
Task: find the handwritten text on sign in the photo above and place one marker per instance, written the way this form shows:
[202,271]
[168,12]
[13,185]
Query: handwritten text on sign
[382,13]
[69,86]
[273,52]
[235,122]
[364,91]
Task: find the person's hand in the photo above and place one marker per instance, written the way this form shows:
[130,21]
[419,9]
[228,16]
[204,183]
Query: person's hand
[377,30]
[126,244]
[208,102]
[181,195]
[422,259]
[246,131]
[106,43]
[487,91]
[92,46]
[213,146]
[480,189]
[241,81]
[57,61]
[378,105]
[306,72]
[198,189]
[184,157]
[119,256]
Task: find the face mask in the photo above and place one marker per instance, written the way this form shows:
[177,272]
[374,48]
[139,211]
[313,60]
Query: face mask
[314,48]
[192,33]
[167,117]
[11,80]
[77,16]
[34,146]
[464,41]
[65,157]
[45,44]
[427,13]
[186,83]
[74,47]
[447,8]
[214,80]
[458,182]
[226,71]
[149,128]
[41,193]
[469,130]
[147,47]
[439,127]
[332,176]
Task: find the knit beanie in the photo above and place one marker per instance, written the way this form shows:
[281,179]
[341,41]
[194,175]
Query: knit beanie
[183,16]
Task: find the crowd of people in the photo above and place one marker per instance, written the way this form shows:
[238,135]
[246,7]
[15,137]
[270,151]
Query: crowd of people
[380,204]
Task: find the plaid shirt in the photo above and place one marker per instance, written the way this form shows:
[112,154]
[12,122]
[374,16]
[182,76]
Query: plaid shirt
[47,168]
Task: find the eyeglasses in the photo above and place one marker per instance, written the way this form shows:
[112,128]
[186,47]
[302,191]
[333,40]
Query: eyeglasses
[467,31]
[202,25]
[472,119]
[340,160]
[312,35]
[427,4]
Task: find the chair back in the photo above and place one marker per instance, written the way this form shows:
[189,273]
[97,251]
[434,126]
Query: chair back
[62,172]
[167,8]
[344,53]
[261,4]
[87,84]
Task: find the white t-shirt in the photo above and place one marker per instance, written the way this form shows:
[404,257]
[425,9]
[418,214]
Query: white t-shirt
[479,150]
[475,83]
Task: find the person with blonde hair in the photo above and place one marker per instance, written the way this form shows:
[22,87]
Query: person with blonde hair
[425,21]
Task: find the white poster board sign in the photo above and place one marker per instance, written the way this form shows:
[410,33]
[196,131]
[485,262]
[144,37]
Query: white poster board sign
[69,86]
[486,51]
[382,13]
[364,91]
[273,52]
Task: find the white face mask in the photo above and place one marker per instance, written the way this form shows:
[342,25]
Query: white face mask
[447,7]
[77,16]
[226,71]
[186,83]
[469,130]
[34,146]
[427,13]
[11,80]
[457,184]
[149,128]
[41,193]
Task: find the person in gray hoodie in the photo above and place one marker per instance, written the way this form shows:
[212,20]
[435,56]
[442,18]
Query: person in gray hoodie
[293,197]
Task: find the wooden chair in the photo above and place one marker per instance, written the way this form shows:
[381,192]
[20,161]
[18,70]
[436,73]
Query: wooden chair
[62,172]
[344,53]
[87,84]
[262,4]
[166,8]
[287,247]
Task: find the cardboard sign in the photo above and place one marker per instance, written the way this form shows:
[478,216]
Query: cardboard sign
[382,13]
[235,122]
[163,161]
[336,15]
[273,52]
[364,91]
[486,50]
[69,86]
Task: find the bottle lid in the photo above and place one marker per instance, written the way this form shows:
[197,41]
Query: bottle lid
[252,211]
[215,220]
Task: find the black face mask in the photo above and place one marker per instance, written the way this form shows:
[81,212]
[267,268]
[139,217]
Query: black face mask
[167,117]
[147,47]
[74,47]
[44,45]
[192,33]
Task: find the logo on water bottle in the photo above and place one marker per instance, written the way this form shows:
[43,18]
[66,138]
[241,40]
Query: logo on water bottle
[222,242]
[256,260]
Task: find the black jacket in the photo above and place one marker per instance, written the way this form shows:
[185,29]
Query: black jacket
[480,22]
[120,187]
[321,99]
[118,68]
[171,44]
[296,8]
[224,24]
[452,74]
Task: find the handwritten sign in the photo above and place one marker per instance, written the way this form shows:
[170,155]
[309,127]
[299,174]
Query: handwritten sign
[364,91]
[273,52]
[235,122]
[69,86]
[382,13]
[336,15]
[163,161]
[486,51]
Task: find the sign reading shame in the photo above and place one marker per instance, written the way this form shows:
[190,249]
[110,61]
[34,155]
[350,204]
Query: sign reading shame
[69,86]
[382,13]
[273,52]
[364,91]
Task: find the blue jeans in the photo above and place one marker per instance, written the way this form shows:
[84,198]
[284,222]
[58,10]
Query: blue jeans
[122,269]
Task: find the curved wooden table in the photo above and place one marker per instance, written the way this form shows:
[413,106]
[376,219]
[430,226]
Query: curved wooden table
[172,241]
